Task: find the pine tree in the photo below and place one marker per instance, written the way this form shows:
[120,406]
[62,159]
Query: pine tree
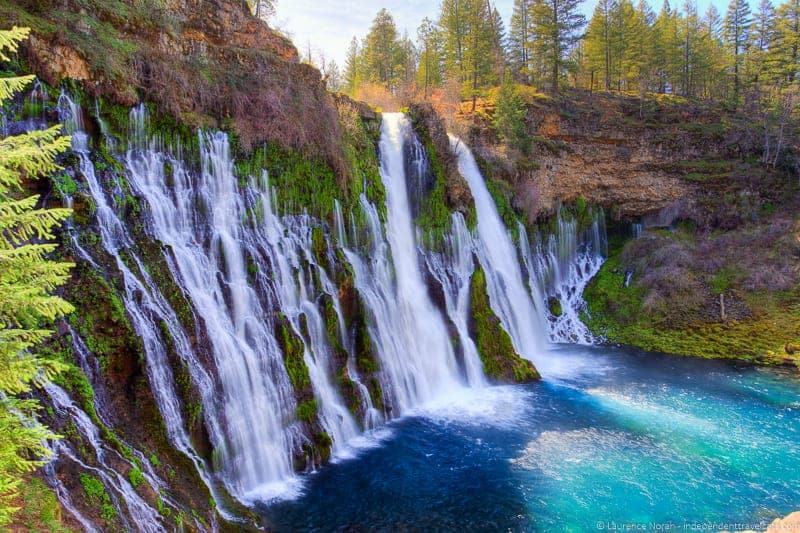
[668,56]
[520,40]
[27,279]
[453,21]
[598,42]
[712,83]
[785,54]
[498,44]
[478,53]
[383,56]
[691,60]
[429,71]
[736,29]
[557,25]
[761,37]
[509,116]
[352,78]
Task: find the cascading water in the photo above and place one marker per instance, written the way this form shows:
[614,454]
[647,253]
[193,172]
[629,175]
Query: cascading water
[560,266]
[453,269]
[509,298]
[146,306]
[417,359]
[201,223]
[247,271]
[138,515]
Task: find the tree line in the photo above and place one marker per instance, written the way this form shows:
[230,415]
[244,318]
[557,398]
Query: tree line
[625,46]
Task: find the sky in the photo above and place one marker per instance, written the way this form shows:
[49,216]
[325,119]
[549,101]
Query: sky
[329,25]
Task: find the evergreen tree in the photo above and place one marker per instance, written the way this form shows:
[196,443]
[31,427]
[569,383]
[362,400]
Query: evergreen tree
[509,116]
[785,53]
[333,76]
[383,55]
[497,35]
[761,37]
[453,21]
[27,278]
[520,40]
[429,72]
[692,64]
[598,42]
[557,25]
[668,55]
[713,21]
[736,29]
[352,67]
[478,53]
[713,82]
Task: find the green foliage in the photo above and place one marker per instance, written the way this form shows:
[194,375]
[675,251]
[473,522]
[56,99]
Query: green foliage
[136,477]
[42,510]
[97,496]
[299,182]
[509,117]
[293,358]
[27,280]
[307,410]
[724,279]
[500,360]
[434,211]
[616,313]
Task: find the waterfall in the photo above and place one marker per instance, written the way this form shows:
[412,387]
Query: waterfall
[508,296]
[560,266]
[409,334]
[453,269]
[200,220]
[142,517]
[146,306]
[248,271]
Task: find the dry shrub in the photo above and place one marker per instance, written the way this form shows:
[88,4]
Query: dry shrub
[378,96]
[446,101]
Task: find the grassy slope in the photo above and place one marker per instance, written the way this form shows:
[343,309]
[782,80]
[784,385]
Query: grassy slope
[618,313]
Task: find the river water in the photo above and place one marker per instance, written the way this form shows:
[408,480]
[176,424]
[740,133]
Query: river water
[625,438]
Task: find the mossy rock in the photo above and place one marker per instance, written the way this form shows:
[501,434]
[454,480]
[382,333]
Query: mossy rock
[616,312]
[554,306]
[500,360]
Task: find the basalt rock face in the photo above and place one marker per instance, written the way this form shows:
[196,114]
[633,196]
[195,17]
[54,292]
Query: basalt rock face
[207,63]
[431,128]
[607,149]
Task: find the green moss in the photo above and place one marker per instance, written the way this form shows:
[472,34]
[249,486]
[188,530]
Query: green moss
[500,361]
[136,477]
[365,358]
[97,496]
[102,321]
[323,444]
[300,182]
[617,313]
[319,245]
[293,358]
[434,212]
[554,305]
[307,411]
[41,510]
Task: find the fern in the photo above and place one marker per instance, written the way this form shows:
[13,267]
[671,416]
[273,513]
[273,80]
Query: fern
[27,279]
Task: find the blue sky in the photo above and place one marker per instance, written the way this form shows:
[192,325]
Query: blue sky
[330,24]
